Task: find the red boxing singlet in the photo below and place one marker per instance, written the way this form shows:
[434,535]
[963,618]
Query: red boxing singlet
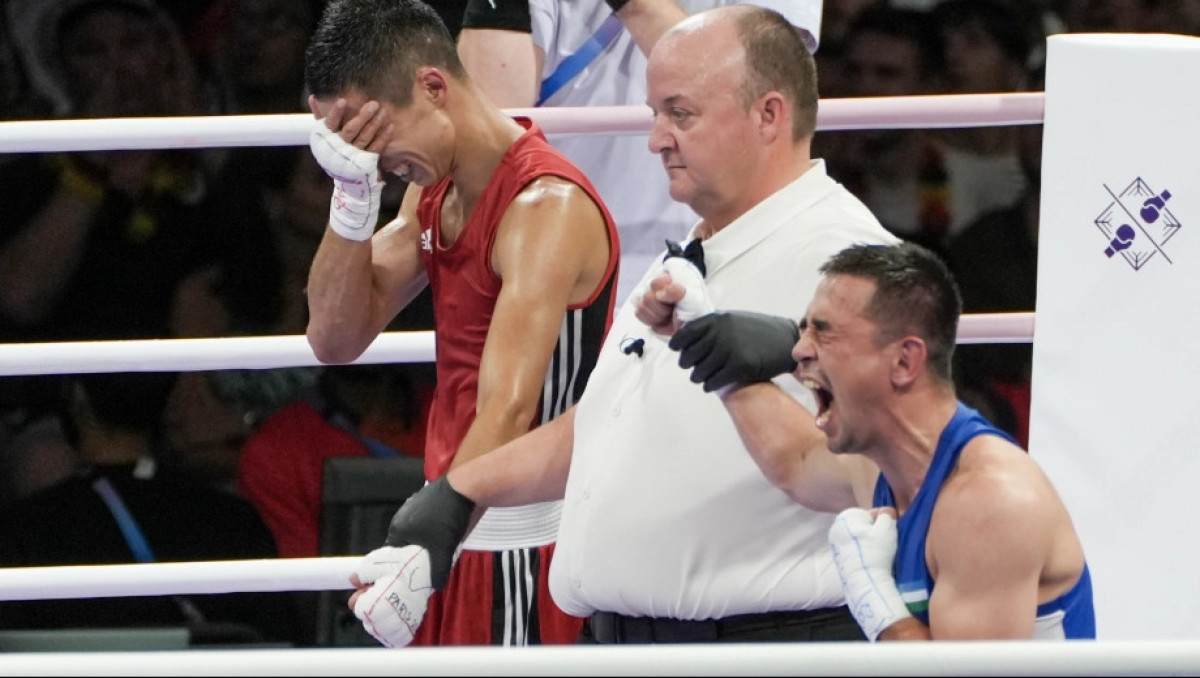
[465,289]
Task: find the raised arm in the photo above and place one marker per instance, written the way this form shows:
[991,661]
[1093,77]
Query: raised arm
[496,47]
[356,288]
[647,20]
[737,354]
[781,437]
[359,279]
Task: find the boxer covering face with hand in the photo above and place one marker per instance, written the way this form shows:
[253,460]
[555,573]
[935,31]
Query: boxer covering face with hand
[520,256]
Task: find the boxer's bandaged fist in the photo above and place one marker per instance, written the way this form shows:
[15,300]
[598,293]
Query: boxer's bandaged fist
[736,347]
[695,301]
[864,550]
[435,518]
[392,608]
[357,186]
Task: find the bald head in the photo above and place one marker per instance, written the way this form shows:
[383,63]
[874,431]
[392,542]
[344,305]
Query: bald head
[757,47]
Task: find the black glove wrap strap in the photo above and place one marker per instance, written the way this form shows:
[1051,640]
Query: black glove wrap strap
[511,15]
[435,518]
[616,5]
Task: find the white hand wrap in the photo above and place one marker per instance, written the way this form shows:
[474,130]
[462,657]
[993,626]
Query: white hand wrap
[864,550]
[357,186]
[392,609]
[695,301]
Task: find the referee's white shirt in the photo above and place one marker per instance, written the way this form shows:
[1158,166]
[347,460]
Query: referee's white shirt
[665,513]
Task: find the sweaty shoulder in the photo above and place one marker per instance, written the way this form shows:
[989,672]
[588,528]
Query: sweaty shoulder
[555,198]
[550,188]
[1000,510]
[553,221]
[994,474]
[996,489]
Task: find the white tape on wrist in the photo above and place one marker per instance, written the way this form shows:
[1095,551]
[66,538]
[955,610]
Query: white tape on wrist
[392,608]
[864,550]
[695,302]
[357,186]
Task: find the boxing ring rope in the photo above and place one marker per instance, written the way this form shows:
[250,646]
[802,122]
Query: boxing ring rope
[292,129]
[1011,658]
[165,579]
[226,353]
[313,574]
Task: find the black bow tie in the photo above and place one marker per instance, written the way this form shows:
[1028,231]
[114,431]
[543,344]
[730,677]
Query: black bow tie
[694,252]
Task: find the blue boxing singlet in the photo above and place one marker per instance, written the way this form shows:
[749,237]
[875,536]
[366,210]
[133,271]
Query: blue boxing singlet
[1071,615]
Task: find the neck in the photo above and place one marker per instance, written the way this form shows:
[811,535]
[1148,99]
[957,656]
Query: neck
[774,174]
[909,439]
[483,134]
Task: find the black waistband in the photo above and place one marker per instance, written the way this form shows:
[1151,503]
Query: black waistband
[609,627]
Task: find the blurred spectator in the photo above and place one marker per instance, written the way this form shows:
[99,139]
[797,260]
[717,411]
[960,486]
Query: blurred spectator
[259,57]
[34,452]
[211,414]
[276,190]
[305,415]
[836,21]
[18,100]
[1130,16]
[927,185]
[353,411]
[261,292]
[988,46]
[899,174]
[994,260]
[105,58]
[96,242]
[121,509]
[112,243]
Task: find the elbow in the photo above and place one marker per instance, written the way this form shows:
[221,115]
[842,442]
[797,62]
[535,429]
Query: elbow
[514,416]
[330,349]
[781,475]
[781,464]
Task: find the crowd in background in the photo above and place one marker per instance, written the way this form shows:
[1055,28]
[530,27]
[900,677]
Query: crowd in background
[112,245]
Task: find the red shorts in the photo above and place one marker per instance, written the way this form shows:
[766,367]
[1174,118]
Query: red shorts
[498,598]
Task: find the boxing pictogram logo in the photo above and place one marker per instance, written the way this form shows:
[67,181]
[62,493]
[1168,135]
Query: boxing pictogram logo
[1137,224]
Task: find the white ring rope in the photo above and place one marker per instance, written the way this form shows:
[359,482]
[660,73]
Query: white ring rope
[168,579]
[962,658]
[193,355]
[226,353]
[292,129]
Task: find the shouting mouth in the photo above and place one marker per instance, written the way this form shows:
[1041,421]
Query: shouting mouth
[824,401]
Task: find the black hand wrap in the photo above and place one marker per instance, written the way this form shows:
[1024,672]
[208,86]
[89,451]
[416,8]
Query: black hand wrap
[510,15]
[436,519]
[736,347]
[616,5]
